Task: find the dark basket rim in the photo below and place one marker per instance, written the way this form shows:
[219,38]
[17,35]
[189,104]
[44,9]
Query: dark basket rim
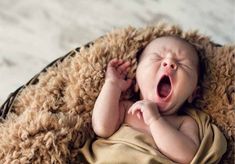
[7,105]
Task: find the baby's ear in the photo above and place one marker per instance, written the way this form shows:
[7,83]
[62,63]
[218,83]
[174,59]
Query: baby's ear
[196,94]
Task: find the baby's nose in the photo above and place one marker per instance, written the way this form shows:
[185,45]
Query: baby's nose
[169,65]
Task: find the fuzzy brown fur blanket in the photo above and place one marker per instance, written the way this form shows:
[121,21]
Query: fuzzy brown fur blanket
[50,119]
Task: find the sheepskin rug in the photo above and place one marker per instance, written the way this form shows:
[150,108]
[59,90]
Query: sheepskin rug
[51,118]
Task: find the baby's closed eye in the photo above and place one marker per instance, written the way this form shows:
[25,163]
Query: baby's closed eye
[185,65]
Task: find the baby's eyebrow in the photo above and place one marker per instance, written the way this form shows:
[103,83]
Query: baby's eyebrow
[155,53]
[176,53]
[180,54]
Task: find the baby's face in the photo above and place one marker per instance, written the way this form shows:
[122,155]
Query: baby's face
[167,73]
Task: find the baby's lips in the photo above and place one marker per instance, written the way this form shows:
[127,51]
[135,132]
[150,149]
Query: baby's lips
[160,87]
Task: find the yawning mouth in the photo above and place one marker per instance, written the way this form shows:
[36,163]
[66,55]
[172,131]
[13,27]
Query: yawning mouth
[164,87]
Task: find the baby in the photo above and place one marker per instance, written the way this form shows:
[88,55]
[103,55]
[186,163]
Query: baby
[167,77]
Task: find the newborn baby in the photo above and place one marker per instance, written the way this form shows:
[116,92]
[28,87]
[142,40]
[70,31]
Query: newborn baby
[167,77]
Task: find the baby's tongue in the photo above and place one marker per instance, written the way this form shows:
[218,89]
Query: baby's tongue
[164,89]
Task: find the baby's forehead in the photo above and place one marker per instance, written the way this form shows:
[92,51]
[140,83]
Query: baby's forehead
[170,40]
[171,44]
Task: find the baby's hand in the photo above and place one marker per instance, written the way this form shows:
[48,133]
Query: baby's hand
[147,110]
[116,73]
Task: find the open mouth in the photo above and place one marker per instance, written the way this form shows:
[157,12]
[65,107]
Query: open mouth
[164,87]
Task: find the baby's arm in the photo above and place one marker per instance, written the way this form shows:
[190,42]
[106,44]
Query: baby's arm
[108,112]
[178,144]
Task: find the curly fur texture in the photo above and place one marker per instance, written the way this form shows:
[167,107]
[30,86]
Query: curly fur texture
[50,120]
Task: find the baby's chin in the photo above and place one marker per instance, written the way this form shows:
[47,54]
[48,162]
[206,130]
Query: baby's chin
[167,109]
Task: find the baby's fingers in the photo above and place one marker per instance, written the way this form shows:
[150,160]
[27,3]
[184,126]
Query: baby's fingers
[133,109]
[123,67]
[139,115]
[115,63]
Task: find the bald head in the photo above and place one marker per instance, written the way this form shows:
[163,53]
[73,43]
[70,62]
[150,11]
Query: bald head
[171,44]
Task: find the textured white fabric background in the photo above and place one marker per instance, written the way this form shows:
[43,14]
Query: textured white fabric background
[35,32]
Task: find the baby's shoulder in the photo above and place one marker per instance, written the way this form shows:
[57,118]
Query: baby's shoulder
[190,128]
[187,120]
[188,123]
